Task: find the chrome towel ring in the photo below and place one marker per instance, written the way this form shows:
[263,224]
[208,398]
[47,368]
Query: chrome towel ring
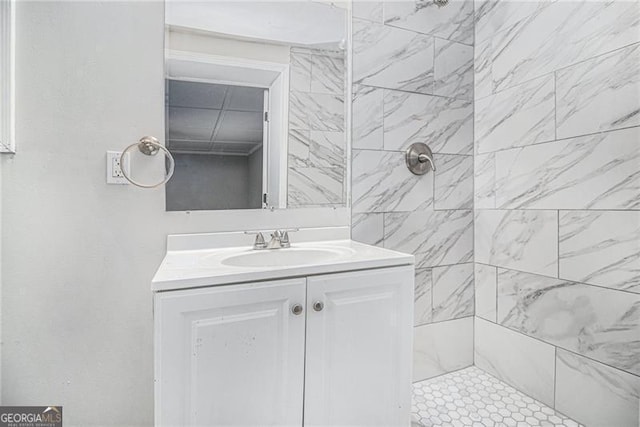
[149,146]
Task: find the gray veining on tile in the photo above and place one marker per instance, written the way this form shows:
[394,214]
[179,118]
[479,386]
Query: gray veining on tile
[389,57]
[434,237]
[325,111]
[600,171]
[486,282]
[484,181]
[521,361]
[561,34]
[315,186]
[382,183]
[453,182]
[516,117]
[574,316]
[595,394]
[522,240]
[328,73]
[368,228]
[445,124]
[453,293]
[601,248]
[599,94]
[435,353]
[366,118]
[483,85]
[453,22]
[327,149]
[423,305]
[300,78]
[453,69]
[298,148]
[369,10]
[492,16]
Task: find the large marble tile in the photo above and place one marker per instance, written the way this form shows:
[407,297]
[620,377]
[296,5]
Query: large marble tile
[369,10]
[300,71]
[445,124]
[484,181]
[453,22]
[435,353]
[368,228]
[561,34]
[366,118]
[328,73]
[516,117]
[453,295]
[423,305]
[389,57]
[486,282]
[601,248]
[600,94]
[523,362]
[382,183]
[522,240]
[453,69]
[453,182]
[327,149]
[600,323]
[595,394]
[435,238]
[315,186]
[589,172]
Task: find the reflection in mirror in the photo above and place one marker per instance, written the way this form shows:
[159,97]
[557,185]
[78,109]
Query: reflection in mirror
[255,104]
[216,133]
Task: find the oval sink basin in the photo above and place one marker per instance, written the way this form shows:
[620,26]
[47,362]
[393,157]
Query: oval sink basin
[282,257]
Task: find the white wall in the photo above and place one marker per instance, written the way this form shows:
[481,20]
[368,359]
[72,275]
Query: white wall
[78,255]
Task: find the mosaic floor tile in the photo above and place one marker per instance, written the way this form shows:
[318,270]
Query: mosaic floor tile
[471,397]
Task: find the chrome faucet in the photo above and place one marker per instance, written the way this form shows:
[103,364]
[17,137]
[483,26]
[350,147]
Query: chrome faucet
[279,239]
[276,240]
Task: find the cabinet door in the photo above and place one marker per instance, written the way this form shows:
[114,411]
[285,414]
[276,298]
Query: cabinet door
[231,355]
[358,358]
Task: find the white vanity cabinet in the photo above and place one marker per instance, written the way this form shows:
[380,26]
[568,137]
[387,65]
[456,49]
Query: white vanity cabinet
[337,345]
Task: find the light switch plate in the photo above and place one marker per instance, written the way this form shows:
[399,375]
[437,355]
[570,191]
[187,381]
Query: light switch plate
[114,168]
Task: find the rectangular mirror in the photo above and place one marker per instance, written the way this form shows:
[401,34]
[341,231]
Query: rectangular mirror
[256,104]
[7,76]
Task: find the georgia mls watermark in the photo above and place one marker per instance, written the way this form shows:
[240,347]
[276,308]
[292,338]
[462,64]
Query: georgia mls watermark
[30,416]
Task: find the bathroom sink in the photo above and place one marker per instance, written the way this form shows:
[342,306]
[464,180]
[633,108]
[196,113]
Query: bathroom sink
[284,257]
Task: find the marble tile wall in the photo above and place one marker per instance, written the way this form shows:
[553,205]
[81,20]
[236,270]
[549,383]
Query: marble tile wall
[317,135]
[557,203]
[413,82]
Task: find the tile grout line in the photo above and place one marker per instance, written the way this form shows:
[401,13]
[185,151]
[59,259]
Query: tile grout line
[560,279]
[564,349]
[567,138]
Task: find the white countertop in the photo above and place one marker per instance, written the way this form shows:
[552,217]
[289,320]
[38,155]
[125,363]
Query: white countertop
[189,268]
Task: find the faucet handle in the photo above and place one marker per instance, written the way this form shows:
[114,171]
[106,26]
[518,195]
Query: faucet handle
[285,237]
[277,234]
[259,242]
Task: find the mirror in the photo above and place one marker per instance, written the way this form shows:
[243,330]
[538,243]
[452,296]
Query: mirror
[256,98]
[7,76]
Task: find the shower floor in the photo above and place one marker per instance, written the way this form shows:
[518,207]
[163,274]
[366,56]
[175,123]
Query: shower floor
[471,397]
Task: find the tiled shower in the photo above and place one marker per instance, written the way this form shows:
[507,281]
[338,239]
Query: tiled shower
[527,236]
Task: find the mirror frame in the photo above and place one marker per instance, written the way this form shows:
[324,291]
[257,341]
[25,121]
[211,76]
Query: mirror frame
[7,75]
